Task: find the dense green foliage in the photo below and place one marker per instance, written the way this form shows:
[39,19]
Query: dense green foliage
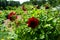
[47,29]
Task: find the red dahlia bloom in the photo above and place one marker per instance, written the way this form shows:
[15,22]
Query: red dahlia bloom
[23,7]
[32,22]
[12,16]
[46,7]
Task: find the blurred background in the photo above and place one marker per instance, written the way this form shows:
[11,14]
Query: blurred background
[15,3]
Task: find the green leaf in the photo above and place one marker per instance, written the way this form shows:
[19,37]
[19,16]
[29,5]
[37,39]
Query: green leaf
[42,36]
[47,25]
[49,19]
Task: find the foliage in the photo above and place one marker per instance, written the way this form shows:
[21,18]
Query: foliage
[47,29]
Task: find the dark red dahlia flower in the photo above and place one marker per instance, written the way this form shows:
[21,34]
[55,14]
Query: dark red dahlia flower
[46,7]
[32,22]
[23,8]
[12,16]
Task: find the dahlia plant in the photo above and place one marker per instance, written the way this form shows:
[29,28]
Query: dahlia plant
[34,24]
[39,24]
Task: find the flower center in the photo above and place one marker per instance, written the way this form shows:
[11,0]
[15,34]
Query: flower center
[32,23]
[13,17]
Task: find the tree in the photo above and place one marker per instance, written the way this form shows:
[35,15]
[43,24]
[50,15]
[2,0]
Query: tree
[3,0]
[3,4]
